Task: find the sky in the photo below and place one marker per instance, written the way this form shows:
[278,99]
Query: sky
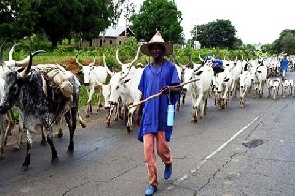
[256,21]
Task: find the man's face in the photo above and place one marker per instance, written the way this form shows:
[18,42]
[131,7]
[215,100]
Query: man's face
[156,50]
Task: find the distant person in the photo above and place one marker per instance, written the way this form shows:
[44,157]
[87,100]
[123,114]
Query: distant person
[284,66]
[158,76]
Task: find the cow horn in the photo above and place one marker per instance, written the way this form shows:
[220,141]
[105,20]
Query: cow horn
[136,57]
[26,71]
[197,69]
[80,64]
[105,65]
[117,57]
[202,60]
[180,65]
[11,51]
[93,63]
[4,66]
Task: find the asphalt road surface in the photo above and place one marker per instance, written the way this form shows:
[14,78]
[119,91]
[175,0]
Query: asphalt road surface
[232,151]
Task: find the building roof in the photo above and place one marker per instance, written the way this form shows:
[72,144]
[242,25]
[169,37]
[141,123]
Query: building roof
[116,31]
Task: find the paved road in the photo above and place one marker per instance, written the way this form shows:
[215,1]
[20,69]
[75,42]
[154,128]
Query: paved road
[234,151]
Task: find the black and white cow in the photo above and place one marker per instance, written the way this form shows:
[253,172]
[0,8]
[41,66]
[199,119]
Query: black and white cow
[24,88]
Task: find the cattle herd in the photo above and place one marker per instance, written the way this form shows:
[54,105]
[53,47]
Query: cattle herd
[46,94]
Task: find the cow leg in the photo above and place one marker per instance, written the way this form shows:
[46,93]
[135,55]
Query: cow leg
[99,96]
[129,122]
[204,108]
[18,136]
[27,162]
[2,136]
[71,119]
[178,103]
[10,124]
[59,132]
[43,139]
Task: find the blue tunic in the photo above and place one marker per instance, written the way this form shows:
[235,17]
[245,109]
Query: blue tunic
[154,116]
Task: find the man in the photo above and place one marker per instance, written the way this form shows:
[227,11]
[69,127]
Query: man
[284,66]
[158,76]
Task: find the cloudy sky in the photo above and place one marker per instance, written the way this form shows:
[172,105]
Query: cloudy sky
[256,21]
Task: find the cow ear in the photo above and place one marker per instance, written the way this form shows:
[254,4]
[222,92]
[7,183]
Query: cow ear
[127,80]
[198,73]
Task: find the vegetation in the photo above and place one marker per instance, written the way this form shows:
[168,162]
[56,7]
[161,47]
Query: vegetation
[57,19]
[219,33]
[161,15]
[76,20]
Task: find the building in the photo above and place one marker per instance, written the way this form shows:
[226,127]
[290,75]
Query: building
[111,36]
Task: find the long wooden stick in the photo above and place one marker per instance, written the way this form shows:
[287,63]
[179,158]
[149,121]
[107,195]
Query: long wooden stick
[160,93]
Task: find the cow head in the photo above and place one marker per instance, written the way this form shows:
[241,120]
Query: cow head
[13,82]
[86,70]
[125,67]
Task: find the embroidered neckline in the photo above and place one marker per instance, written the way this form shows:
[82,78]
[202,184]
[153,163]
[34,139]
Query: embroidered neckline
[156,70]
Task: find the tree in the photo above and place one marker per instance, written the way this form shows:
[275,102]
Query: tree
[219,33]
[161,15]
[17,19]
[285,43]
[86,18]
[288,43]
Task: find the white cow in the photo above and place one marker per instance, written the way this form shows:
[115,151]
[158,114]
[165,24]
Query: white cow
[260,79]
[236,69]
[245,86]
[287,87]
[223,86]
[200,89]
[124,90]
[94,77]
[273,86]
[125,87]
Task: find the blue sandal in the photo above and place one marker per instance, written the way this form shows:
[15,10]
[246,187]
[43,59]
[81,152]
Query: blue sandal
[168,171]
[150,190]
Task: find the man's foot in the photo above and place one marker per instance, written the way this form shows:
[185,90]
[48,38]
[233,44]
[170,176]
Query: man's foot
[168,171]
[150,190]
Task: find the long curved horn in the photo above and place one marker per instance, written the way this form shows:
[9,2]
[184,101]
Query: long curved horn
[136,57]
[105,65]
[201,58]
[11,51]
[93,63]
[197,69]
[180,65]
[117,57]
[24,61]
[4,66]
[80,64]
[26,71]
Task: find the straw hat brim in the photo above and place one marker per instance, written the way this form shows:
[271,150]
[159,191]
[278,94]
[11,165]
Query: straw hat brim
[145,48]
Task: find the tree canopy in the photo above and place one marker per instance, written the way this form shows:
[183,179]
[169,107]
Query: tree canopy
[57,19]
[161,15]
[17,19]
[219,33]
[285,43]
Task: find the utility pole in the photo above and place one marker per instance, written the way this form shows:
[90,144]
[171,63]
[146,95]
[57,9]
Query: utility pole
[194,22]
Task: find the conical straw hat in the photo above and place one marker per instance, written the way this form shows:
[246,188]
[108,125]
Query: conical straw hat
[156,39]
